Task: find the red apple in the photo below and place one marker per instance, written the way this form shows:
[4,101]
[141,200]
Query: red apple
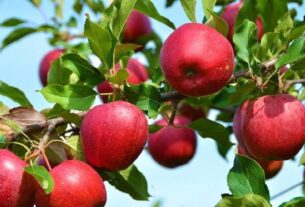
[230,14]
[238,123]
[270,167]
[137,26]
[45,64]
[75,184]
[283,70]
[191,112]
[113,135]
[173,146]
[17,187]
[274,127]
[196,60]
[137,74]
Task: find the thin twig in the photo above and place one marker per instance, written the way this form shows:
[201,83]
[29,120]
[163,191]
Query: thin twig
[289,83]
[287,190]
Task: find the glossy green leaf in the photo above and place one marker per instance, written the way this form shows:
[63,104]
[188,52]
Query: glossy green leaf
[146,97]
[208,6]
[100,41]
[147,7]
[42,176]
[78,97]
[17,34]
[12,22]
[189,7]
[249,200]
[75,147]
[14,94]
[130,181]
[247,176]
[295,202]
[294,53]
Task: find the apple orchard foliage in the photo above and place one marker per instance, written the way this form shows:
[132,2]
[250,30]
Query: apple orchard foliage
[53,135]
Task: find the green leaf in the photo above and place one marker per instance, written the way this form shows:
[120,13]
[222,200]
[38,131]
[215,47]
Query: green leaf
[189,7]
[76,147]
[210,129]
[124,49]
[247,176]
[36,3]
[208,6]
[295,202]
[17,34]
[100,41]
[302,159]
[3,109]
[154,128]
[249,200]
[12,22]
[297,32]
[59,8]
[294,53]
[78,6]
[146,97]
[14,94]
[58,74]
[130,181]
[119,78]
[118,23]
[78,97]
[83,69]
[42,176]
[218,23]
[244,39]
[3,140]
[147,7]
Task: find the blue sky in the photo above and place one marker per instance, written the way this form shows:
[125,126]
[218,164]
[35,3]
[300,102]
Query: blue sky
[199,183]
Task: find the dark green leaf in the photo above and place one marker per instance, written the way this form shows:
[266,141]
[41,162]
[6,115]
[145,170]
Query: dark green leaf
[78,6]
[295,202]
[100,41]
[72,22]
[42,176]
[189,7]
[130,181]
[78,97]
[12,22]
[154,128]
[14,94]
[249,200]
[146,97]
[147,7]
[17,34]
[247,176]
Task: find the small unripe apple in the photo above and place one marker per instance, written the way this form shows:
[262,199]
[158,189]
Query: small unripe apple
[173,146]
[191,112]
[137,74]
[16,187]
[114,135]
[45,64]
[196,60]
[274,128]
[75,184]
[137,26]
[270,167]
[238,123]
[230,14]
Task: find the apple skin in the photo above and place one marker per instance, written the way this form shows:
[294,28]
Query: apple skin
[191,112]
[196,60]
[137,74]
[114,135]
[173,146]
[137,26]
[75,184]
[274,128]
[238,123]
[230,14]
[17,187]
[270,167]
[45,64]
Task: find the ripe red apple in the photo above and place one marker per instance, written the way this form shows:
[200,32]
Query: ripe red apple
[137,26]
[191,112]
[230,14]
[17,187]
[238,123]
[113,135]
[137,74]
[173,146]
[270,167]
[274,127]
[75,184]
[45,64]
[196,60]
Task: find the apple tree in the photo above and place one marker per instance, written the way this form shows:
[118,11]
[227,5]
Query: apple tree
[244,59]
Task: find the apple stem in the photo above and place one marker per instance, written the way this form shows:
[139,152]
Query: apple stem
[173,115]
